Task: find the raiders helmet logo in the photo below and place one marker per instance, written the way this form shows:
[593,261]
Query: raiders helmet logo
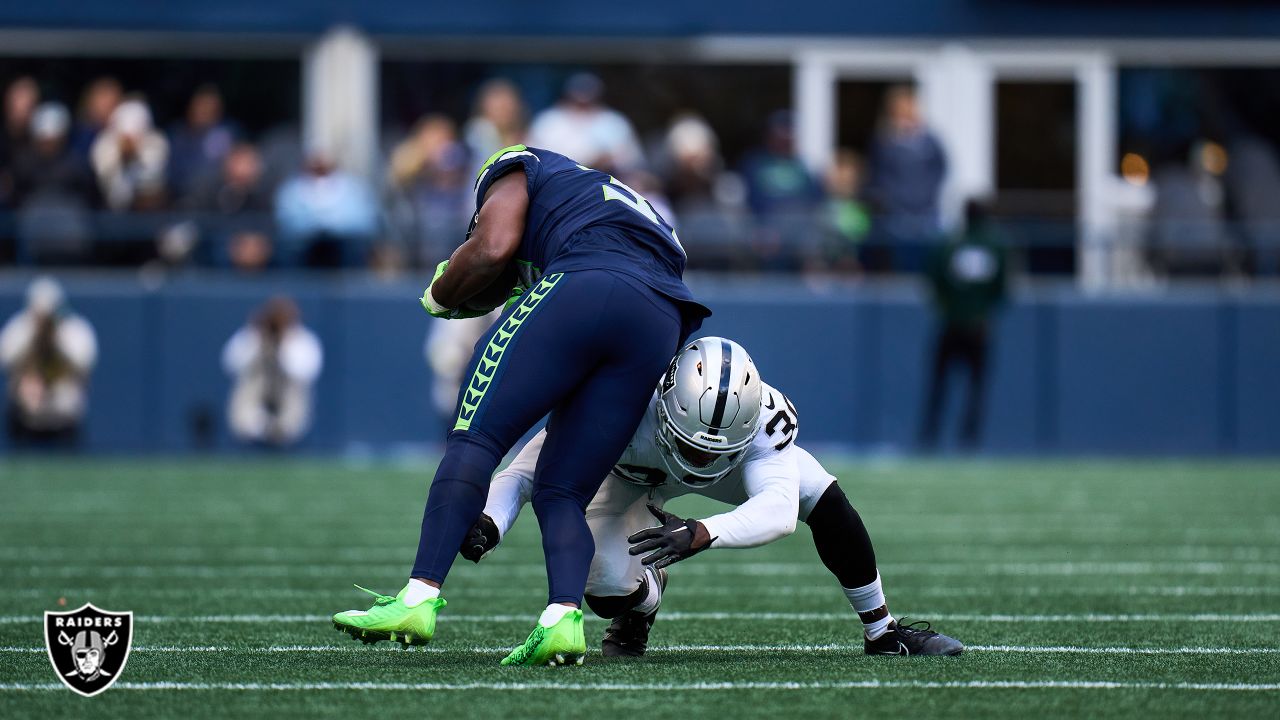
[88,647]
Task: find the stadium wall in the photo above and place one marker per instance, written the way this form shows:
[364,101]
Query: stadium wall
[1190,372]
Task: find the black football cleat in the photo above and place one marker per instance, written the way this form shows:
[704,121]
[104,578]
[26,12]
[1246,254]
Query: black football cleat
[916,638]
[628,634]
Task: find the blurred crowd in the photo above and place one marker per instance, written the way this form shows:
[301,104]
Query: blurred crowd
[101,183]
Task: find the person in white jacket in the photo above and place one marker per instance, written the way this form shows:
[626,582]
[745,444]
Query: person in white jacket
[714,429]
[275,361]
[48,353]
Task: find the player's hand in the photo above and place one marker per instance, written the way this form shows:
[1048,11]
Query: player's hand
[481,539]
[434,309]
[672,541]
[517,294]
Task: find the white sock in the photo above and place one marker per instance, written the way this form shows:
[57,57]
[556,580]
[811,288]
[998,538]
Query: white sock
[419,592]
[866,599]
[653,598]
[553,613]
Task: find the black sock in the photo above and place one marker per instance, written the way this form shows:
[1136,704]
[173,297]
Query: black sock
[842,540]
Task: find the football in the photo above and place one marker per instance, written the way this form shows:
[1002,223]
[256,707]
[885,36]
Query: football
[497,292]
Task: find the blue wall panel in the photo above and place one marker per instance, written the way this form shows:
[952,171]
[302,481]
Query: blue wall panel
[1256,382]
[385,335]
[1185,374]
[1138,377]
[813,354]
[1013,380]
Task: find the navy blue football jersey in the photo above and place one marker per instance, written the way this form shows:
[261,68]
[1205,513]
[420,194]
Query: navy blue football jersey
[582,219]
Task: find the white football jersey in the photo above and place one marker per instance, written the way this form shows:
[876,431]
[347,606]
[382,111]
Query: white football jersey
[775,484]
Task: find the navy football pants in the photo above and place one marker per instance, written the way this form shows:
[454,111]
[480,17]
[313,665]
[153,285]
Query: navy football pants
[587,346]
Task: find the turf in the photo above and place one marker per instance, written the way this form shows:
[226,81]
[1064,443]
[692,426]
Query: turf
[233,566]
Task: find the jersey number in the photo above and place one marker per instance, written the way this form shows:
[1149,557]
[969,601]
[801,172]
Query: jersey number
[782,424]
[640,205]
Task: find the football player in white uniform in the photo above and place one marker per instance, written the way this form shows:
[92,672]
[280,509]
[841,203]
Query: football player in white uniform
[714,429]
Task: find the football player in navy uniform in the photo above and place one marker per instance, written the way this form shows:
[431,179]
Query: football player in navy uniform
[600,309]
[713,429]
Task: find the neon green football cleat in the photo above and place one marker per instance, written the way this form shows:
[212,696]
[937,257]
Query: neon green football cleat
[390,619]
[561,644]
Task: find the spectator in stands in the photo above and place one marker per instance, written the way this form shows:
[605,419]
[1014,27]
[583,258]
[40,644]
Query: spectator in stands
[691,162]
[274,361]
[846,222]
[1252,184]
[250,251]
[782,195]
[1188,228]
[129,158]
[777,181]
[20,100]
[907,167]
[239,189]
[198,145]
[48,353]
[54,190]
[431,160]
[583,128]
[498,121]
[326,216]
[233,204]
[97,103]
[47,166]
[430,179]
[968,279]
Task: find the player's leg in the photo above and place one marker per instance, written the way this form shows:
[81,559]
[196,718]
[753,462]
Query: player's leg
[528,362]
[615,512]
[619,587]
[931,421]
[975,354]
[586,435]
[844,545]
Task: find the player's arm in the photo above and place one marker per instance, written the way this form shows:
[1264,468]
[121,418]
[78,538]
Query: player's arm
[509,490]
[773,502]
[769,513]
[488,250]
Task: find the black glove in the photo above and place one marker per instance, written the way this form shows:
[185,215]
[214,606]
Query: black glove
[671,542]
[481,539]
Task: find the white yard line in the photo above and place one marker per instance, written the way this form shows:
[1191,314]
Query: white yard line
[1241,552]
[931,569]
[677,616]
[783,647]
[996,591]
[669,687]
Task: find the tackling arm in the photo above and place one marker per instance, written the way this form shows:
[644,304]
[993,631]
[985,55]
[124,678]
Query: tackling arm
[773,502]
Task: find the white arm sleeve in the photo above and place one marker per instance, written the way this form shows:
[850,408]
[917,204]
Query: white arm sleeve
[773,499]
[512,487]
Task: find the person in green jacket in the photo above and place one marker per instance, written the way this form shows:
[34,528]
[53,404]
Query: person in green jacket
[967,277]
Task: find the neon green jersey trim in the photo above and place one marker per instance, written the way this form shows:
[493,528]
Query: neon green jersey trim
[494,158]
[497,347]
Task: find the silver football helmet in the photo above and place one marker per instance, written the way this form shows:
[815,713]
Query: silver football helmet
[708,410]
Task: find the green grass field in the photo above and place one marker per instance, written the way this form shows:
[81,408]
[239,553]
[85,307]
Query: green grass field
[1082,588]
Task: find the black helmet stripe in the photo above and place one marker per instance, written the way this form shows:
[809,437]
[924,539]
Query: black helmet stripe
[726,362]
